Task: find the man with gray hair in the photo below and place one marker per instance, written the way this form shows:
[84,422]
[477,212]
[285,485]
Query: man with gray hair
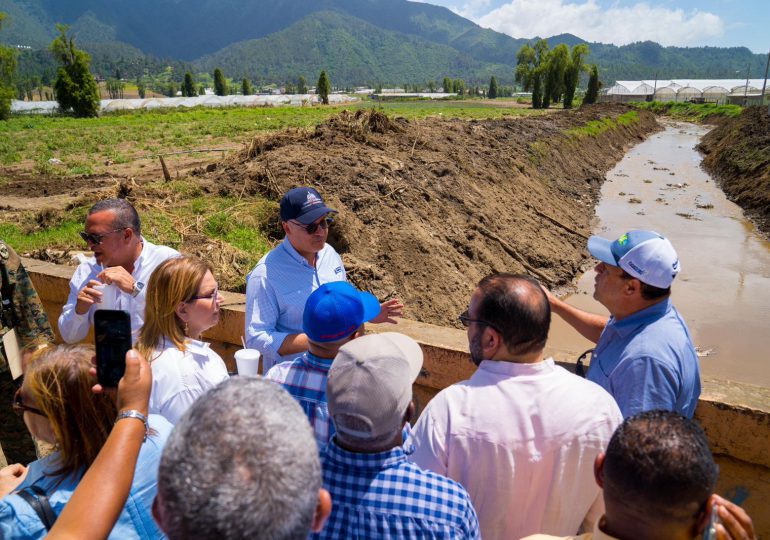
[377,493]
[117,273]
[241,463]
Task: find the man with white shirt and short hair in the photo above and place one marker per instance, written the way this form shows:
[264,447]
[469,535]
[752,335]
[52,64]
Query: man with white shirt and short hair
[644,354]
[281,282]
[523,433]
[123,261]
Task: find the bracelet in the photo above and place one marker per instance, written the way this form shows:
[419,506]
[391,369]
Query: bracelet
[139,416]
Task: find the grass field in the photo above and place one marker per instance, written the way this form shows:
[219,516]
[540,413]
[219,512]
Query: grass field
[695,112]
[85,145]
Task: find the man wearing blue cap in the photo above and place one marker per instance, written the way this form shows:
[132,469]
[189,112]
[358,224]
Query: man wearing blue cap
[280,284]
[644,355]
[334,314]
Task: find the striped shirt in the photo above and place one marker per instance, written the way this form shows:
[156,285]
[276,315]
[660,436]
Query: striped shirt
[384,496]
[276,292]
[305,379]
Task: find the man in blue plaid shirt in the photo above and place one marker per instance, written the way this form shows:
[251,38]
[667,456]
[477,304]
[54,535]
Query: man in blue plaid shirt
[333,315]
[376,492]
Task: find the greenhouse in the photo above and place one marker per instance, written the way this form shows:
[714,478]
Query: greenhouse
[689,91]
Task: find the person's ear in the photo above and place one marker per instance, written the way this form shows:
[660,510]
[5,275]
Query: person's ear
[182,311]
[491,341]
[285,226]
[599,469]
[322,510]
[632,287]
[409,415]
[704,516]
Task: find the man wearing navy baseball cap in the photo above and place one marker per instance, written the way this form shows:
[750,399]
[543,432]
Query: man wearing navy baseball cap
[334,315]
[278,287]
[644,355]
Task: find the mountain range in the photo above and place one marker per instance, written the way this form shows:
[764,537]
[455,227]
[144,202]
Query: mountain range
[356,41]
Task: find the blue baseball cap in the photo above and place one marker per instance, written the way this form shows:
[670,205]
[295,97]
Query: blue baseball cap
[303,204]
[645,255]
[335,310]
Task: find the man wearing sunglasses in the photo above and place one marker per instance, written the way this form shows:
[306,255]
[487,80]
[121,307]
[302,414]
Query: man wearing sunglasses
[122,258]
[279,286]
[522,434]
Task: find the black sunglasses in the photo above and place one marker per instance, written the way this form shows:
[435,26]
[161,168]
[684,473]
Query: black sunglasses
[466,320]
[313,227]
[19,407]
[96,239]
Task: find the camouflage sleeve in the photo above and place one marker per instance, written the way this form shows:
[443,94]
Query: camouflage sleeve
[32,321]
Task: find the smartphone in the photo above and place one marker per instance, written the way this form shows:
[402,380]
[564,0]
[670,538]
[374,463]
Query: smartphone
[710,533]
[112,334]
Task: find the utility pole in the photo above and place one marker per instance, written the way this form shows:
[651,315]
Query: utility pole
[746,88]
[764,82]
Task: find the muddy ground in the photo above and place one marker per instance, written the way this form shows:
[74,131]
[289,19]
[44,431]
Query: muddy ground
[429,207]
[737,154]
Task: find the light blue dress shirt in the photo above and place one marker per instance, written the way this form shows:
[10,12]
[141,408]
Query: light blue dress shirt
[276,292]
[19,521]
[647,361]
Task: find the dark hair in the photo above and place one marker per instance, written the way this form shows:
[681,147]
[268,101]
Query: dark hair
[516,306]
[126,216]
[649,292]
[660,461]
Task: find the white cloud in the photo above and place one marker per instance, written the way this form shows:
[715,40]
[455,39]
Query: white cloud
[589,20]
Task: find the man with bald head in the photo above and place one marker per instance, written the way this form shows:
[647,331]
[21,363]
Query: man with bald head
[522,434]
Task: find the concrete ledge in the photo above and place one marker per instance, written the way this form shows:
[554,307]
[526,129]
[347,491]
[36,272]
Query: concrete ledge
[735,416]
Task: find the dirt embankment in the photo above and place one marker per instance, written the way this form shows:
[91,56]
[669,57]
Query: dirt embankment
[737,154]
[429,207]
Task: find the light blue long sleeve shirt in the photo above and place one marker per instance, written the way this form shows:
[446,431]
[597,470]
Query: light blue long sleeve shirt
[647,361]
[276,292]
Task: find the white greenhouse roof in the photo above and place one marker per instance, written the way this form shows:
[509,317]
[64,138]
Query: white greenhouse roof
[630,87]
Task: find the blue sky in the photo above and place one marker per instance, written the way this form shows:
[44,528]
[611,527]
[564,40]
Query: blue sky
[722,23]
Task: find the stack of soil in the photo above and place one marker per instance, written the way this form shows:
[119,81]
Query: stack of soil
[427,208]
[737,154]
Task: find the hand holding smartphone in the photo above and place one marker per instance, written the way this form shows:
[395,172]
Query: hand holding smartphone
[112,334]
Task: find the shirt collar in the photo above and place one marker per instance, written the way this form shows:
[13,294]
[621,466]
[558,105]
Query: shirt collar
[631,323]
[379,461]
[193,346]
[512,369]
[316,362]
[140,259]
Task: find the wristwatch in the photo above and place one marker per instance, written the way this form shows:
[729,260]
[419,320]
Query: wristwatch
[138,286]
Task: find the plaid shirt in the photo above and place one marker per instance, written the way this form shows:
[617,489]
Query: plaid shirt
[305,379]
[385,496]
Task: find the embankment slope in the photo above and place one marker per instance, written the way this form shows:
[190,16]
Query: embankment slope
[737,154]
[427,208]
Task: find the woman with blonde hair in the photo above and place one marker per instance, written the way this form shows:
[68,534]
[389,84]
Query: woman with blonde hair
[59,407]
[182,302]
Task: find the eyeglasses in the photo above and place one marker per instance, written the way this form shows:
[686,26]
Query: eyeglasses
[313,227]
[19,407]
[213,296]
[466,320]
[96,239]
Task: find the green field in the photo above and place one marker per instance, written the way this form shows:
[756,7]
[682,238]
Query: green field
[694,112]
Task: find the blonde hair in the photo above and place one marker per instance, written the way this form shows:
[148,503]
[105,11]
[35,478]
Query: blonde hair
[58,379]
[173,282]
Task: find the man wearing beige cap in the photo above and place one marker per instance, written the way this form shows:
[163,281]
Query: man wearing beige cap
[377,493]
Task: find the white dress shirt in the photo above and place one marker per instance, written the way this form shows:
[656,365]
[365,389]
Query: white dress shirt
[522,439]
[74,327]
[179,378]
[276,292]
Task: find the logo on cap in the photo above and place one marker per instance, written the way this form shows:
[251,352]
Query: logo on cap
[312,199]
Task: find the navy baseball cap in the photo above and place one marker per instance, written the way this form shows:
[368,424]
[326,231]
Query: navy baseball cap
[336,310]
[303,204]
[645,255]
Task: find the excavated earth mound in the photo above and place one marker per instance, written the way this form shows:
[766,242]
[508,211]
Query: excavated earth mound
[427,208]
[737,154]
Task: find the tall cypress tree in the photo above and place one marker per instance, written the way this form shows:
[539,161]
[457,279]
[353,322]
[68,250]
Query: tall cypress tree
[593,86]
[188,88]
[7,69]
[220,85]
[324,88]
[75,87]
[492,93]
[246,87]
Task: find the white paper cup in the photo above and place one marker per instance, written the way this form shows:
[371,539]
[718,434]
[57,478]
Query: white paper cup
[247,361]
[108,296]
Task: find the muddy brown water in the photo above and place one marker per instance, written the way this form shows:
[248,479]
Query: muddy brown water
[723,290]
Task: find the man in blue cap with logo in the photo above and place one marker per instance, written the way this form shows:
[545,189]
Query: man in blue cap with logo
[282,281]
[644,355]
[334,315]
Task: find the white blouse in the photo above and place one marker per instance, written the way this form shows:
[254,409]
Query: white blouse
[179,378]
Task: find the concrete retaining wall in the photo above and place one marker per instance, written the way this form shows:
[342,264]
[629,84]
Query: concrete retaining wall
[735,416]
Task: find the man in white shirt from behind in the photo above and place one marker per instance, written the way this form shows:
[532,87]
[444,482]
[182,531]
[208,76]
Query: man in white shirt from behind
[522,434]
[123,260]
